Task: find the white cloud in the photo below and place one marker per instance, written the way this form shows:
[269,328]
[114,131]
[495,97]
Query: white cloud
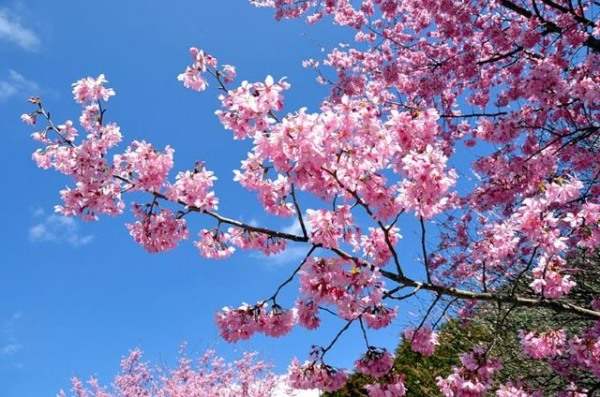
[293,254]
[58,229]
[293,228]
[9,345]
[11,30]
[283,390]
[17,84]
[10,349]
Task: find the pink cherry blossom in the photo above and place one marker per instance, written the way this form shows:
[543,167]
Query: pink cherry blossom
[543,345]
[158,231]
[144,166]
[28,118]
[310,375]
[308,314]
[375,362]
[194,188]
[92,90]
[423,340]
[395,388]
[214,244]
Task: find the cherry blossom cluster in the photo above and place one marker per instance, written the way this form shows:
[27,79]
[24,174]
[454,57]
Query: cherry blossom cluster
[585,349]
[272,193]
[422,340]
[352,290]
[394,388]
[375,244]
[95,191]
[157,231]
[194,188]
[328,227]
[193,77]
[142,165]
[474,378]
[249,108]
[543,345]
[91,90]
[242,322]
[245,239]
[214,244]
[315,375]
[376,362]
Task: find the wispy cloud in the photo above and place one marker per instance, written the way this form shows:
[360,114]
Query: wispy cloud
[9,345]
[17,84]
[57,229]
[292,254]
[13,31]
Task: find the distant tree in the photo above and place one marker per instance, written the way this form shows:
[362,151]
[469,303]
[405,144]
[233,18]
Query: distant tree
[207,375]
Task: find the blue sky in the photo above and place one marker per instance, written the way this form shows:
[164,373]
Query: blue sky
[75,297]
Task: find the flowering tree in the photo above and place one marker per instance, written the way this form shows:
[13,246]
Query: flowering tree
[378,150]
[209,376]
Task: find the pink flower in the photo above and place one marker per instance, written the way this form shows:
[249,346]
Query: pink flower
[549,280]
[238,324]
[157,231]
[473,379]
[214,244]
[28,118]
[375,362]
[193,77]
[277,322]
[228,73]
[144,166]
[395,388]
[379,316]
[423,341]
[92,90]
[194,188]
[311,375]
[307,314]
[245,239]
[543,345]
[327,227]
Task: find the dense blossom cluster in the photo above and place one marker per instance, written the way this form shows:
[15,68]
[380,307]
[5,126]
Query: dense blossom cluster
[315,375]
[249,108]
[213,244]
[544,345]
[327,227]
[354,291]
[242,322]
[145,167]
[422,340]
[194,189]
[375,362]
[395,388]
[157,231]
[473,378]
[475,122]
[246,239]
